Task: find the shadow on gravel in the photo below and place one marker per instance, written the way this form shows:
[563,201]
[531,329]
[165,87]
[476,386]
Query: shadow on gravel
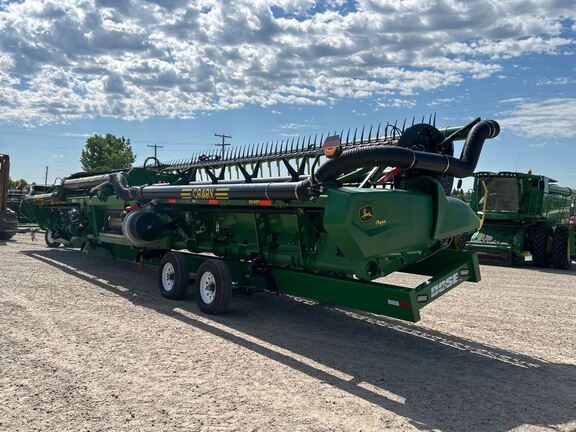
[436,380]
[528,266]
[570,271]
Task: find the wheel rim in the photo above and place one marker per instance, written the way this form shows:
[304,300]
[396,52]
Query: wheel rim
[49,237]
[168,274]
[207,287]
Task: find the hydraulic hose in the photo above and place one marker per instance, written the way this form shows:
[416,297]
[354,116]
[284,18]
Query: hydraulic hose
[304,190]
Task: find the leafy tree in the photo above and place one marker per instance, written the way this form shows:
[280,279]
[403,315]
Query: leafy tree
[17,184]
[104,153]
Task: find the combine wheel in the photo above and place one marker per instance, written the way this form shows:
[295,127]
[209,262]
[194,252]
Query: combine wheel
[49,239]
[173,277]
[213,287]
[560,257]
[540,249]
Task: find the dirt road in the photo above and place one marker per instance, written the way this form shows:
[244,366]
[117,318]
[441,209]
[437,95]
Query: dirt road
[89,344]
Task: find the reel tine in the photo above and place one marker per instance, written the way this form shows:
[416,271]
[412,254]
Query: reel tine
[413,120]
[394,130]
[348,137]
[370,133]
[354,139]
[404,125]
[434,121]
[378,132]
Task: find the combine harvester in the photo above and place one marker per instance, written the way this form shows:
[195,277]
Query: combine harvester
[316,218]
[523,213]
[8,218]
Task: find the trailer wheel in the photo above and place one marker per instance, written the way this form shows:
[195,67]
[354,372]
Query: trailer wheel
[560,257]
[213,286]
[540,250]
[173,276]
[49,239]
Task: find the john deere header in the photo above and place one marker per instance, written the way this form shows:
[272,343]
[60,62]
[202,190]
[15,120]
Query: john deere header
[318,218]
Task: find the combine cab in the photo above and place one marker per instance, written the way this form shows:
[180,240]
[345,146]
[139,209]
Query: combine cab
[523,213]
[316,218]
[8,218]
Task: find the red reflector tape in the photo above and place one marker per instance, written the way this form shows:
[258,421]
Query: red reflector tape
[399,303]
[265,202]
[172,200]
[212,201]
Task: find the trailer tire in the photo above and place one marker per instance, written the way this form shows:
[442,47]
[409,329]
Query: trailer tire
[560,257]
[49,239]
[213,286]
[541,255]
[173,276]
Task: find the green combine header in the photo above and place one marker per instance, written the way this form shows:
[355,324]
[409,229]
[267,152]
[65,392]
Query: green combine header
[523,213]
[316,218]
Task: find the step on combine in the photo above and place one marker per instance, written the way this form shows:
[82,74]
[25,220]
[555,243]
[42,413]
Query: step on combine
[320,218]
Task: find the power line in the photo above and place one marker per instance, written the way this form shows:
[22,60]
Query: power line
[156,147]
[224,143]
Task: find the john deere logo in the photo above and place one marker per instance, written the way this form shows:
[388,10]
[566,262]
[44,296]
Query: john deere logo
[366,213]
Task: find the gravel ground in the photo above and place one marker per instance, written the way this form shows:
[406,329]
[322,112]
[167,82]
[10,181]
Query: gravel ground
[89,344]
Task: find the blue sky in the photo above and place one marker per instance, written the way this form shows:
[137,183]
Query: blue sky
[174,72]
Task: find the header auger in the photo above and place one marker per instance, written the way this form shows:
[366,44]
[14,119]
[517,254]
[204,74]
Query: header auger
[337,214]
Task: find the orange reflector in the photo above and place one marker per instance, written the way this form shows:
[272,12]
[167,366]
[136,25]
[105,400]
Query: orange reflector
[212,201]
[331,146]
[331,151]
[172,200]
[265,202]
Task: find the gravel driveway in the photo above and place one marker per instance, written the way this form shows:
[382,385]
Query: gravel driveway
[89,344]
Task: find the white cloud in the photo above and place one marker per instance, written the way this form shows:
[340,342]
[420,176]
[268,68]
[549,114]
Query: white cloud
[551,118]
[555,81]
[67,59]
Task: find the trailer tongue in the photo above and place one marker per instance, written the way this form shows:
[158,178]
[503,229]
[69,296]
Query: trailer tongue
[338,214]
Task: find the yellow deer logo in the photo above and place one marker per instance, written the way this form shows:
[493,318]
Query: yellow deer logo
[366,213]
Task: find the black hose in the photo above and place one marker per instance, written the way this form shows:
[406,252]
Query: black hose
[436,163]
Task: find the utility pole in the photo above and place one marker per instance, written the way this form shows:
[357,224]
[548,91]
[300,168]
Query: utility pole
[46,177]
[155,147]
[224,143]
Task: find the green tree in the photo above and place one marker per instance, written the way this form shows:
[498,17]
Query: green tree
[104,153]
[17,184]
